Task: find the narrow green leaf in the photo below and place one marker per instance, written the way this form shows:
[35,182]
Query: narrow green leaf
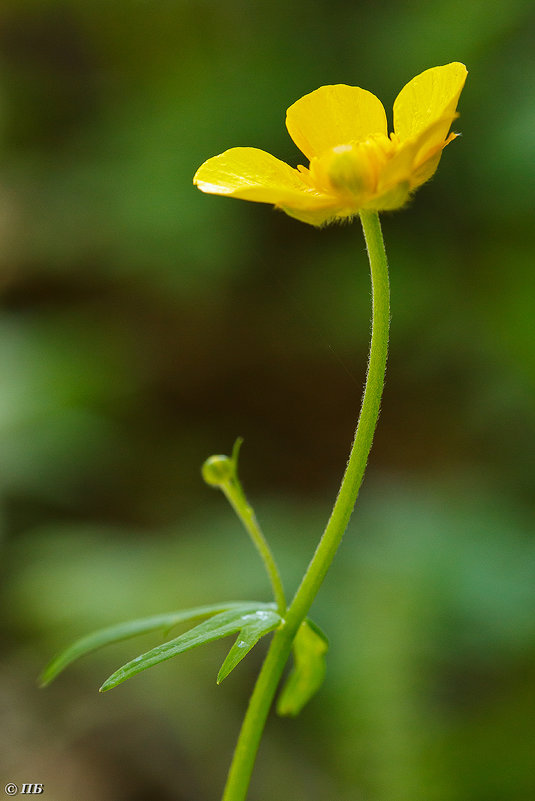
[306,677]
[249,635]
[123,631]
[236,453]
[218,626]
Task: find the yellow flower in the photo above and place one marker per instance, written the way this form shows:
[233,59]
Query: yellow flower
[354,163]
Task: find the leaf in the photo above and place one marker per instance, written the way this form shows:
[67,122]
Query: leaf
[306,677]
[133,628]
[249,635]
[218,626]
[236,453]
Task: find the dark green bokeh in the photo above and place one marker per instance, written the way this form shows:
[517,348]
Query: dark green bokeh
[145,326]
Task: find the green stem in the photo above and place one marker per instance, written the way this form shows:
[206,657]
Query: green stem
[281,644]
[238,501]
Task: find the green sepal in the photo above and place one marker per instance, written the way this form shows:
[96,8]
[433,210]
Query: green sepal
[306,677]
[124,631]
[264,621]
[218,626]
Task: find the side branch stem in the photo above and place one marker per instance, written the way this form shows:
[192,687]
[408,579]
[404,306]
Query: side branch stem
[238,501]
[281,644]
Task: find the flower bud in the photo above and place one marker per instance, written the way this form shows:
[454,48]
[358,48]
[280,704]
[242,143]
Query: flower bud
[218,470]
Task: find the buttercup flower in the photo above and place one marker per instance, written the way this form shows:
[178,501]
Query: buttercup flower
[354,163]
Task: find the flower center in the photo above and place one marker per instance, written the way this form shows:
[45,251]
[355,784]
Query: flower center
[352,169]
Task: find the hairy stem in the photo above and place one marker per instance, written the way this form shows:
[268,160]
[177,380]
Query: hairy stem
[281,644]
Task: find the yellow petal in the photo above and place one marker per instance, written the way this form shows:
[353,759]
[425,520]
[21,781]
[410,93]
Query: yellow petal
[334,115]
[431,96]
[414,161]
[398,169]
[319,217]
[428,158]
[426,170]
[252,174]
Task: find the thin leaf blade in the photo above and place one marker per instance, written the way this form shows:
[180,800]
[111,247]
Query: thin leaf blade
[216,627]
[132,628]
[307,675]
[247,638]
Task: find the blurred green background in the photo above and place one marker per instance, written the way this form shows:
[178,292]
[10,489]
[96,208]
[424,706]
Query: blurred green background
[144,326]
